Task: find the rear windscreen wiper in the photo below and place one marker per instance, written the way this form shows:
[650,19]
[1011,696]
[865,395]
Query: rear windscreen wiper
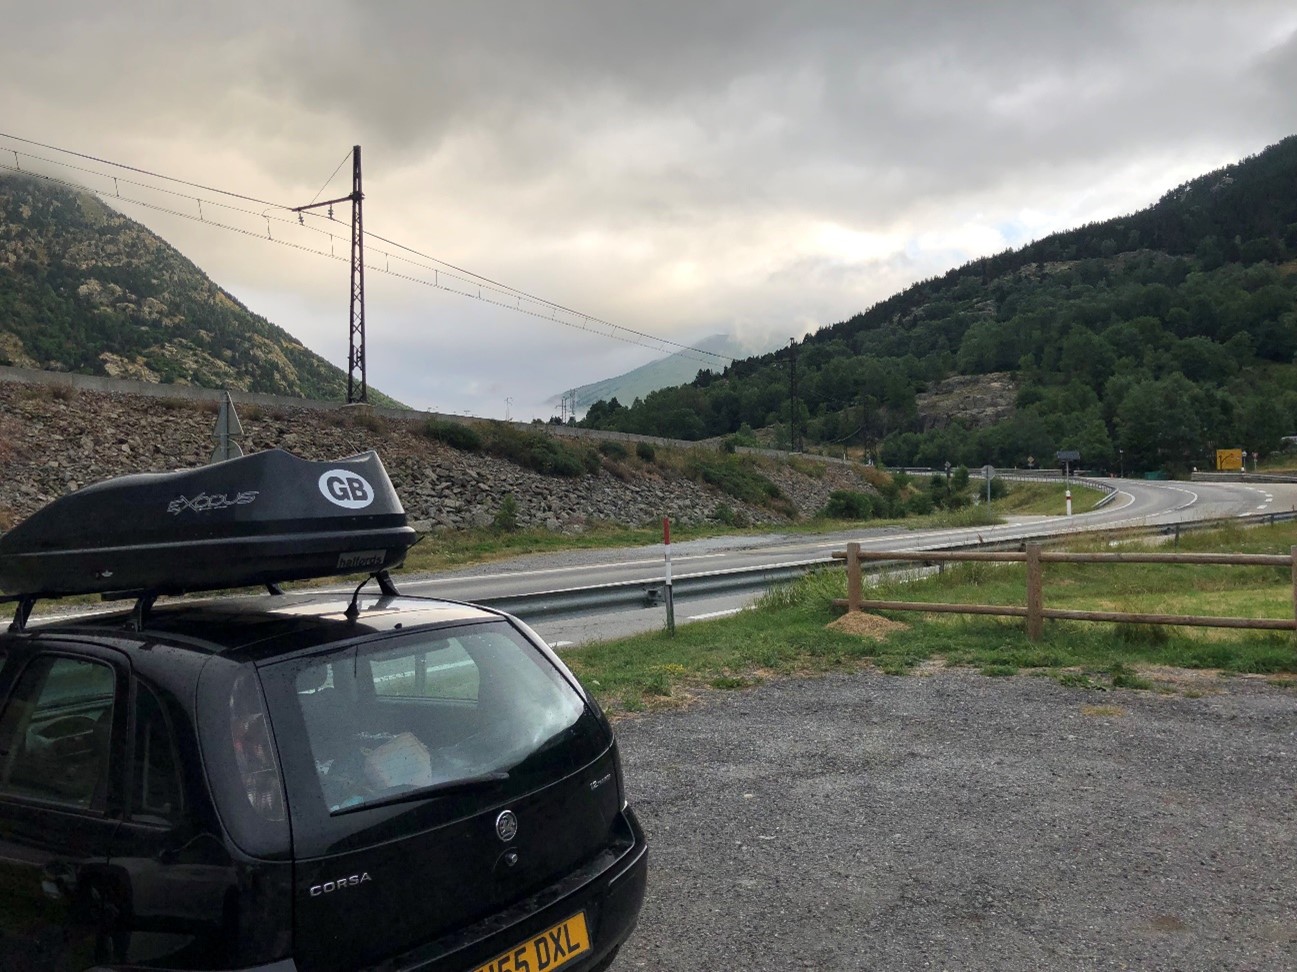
[482,781]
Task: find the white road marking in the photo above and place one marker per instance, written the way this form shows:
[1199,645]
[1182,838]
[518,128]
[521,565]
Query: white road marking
[714,614]
[563,570]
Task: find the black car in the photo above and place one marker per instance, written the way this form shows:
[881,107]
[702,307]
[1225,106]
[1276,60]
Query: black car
[295,781]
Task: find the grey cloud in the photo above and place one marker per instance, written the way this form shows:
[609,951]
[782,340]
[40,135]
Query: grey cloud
[587,150]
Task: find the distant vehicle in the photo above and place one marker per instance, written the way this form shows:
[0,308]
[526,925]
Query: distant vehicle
[291,782]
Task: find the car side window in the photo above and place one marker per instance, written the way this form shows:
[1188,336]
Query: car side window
[155,789]
[54,732]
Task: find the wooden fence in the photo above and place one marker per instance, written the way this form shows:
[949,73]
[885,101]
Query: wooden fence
[1035,611]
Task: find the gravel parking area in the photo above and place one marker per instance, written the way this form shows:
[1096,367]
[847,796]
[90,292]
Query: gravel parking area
[955,821]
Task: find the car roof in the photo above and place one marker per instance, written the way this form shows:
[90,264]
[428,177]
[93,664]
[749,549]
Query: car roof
[267,625]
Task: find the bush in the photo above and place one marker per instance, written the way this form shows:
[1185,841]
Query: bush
[726,514]
[645,451]
[454,434]
[506,517]
[542,453]
[845,504]
[919,504]
[613,450]
[364,419]
[733,476]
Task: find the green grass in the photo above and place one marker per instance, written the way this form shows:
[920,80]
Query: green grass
[787,633]
[1032,499]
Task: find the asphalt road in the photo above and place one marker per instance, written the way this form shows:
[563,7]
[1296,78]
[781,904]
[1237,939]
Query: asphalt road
[961,822]
[1137,503]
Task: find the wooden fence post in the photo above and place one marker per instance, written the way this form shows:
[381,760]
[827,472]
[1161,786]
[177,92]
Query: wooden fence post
[853,577]
[1035,594]
[1293,552]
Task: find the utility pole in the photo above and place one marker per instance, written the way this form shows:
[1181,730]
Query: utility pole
[792,396]
[357,386]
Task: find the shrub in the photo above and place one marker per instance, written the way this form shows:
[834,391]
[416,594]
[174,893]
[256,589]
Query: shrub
[365,419]
[919,504]
[506,517]
[731,475]
[845,504]
[645,451]
[613,450]
[745,437]
[726,514]
[454,434]
[540,452]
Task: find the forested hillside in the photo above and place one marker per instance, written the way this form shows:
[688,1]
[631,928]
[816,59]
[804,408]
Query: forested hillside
[85,289]
[1148,340]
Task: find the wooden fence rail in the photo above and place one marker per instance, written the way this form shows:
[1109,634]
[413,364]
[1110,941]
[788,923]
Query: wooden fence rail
[1035,611]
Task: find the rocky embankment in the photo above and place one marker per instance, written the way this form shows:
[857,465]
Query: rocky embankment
[55,439]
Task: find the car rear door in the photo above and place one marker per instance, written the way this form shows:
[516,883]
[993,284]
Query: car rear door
[433,779]
[61,729]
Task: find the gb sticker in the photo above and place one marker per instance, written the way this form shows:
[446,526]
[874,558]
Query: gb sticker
[347,489]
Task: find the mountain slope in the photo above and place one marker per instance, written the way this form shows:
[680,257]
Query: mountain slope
[1146,341]
[675,369]
[85,289]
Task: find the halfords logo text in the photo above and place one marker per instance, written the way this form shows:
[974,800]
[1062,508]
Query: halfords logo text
[347,489]
[206,502]
[351,881]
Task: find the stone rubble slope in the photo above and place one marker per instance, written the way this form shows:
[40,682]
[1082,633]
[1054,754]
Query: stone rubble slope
[54,440]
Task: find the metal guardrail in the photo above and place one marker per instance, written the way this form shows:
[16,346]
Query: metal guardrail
[649,593]
[572,602]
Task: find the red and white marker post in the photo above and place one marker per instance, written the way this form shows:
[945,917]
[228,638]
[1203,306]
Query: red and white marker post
[671,607]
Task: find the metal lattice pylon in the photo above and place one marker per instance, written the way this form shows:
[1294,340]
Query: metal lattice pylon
[357,384]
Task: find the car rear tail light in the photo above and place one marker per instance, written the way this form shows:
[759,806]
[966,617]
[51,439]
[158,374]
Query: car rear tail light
[254,750]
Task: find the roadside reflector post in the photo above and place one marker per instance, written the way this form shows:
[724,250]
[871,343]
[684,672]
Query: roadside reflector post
[671,607]
[1068,495]
[853,577]
[1035,594]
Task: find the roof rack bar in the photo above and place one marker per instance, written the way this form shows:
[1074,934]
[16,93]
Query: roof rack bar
[140,613]
[22,613]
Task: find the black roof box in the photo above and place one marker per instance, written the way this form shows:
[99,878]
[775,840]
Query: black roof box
[258,519]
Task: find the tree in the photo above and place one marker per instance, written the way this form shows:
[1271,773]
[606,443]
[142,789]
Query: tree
[1159,425]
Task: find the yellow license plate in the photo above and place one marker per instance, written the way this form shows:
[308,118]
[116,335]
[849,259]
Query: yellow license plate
[548,950]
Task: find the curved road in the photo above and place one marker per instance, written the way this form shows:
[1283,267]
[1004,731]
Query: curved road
[1136,503]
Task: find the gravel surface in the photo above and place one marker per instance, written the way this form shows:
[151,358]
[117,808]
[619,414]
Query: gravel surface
[956,821]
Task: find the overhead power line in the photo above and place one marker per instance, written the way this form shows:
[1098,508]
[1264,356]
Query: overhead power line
[313,233]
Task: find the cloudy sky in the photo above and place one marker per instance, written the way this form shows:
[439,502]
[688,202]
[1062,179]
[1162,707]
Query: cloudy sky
[676,169]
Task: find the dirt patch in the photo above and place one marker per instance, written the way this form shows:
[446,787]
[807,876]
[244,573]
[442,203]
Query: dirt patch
[1103,711]
[866,625]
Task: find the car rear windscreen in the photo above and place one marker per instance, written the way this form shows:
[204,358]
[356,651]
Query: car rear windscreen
[426,713]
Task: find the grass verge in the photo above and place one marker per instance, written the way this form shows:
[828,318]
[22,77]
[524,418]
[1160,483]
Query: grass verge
[788,632]
[1037,499]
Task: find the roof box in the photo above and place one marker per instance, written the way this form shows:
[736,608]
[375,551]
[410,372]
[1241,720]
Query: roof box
[258,519]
